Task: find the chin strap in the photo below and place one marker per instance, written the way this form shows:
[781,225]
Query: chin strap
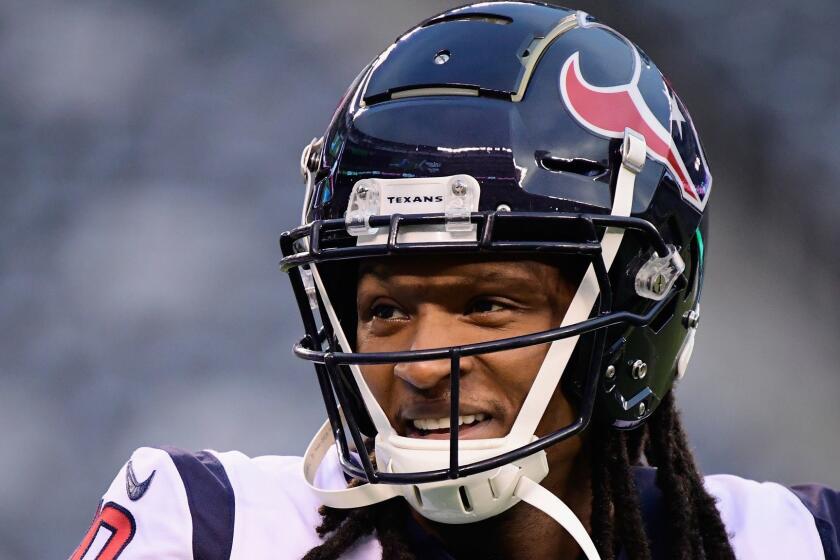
[633,153]
[532,493]
[342,498]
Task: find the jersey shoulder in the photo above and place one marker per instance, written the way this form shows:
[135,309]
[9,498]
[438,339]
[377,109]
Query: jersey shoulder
[171,503]
[145,513]
[824,505]
[762,519]
[766,519]
[276,512]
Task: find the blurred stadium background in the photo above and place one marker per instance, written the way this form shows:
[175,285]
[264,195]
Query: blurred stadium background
[149,160]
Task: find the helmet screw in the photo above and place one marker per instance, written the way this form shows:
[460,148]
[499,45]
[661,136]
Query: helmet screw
[442,57]
[639,369]
[309,157]
[312,162]
[691,319]
[642,409]
[610,373]
[502,208]
[362,191]
[459,188]
[658,283]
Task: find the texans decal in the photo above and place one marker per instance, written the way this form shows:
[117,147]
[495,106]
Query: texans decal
[607,111]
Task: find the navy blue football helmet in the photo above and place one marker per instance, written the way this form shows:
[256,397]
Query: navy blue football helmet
[518,128]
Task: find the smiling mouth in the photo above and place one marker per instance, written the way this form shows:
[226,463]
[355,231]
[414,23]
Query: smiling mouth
[438,428]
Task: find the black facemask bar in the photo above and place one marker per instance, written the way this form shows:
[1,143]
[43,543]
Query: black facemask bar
[335,381]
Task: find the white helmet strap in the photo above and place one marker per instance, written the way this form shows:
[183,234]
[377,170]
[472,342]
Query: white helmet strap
[532,493]
[343,498]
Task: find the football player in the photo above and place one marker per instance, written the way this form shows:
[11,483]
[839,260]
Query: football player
[499,271]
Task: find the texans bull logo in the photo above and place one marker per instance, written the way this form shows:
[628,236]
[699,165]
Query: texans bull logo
[607,111]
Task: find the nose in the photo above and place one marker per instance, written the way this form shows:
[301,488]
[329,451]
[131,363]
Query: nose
[429,374]
[425,375]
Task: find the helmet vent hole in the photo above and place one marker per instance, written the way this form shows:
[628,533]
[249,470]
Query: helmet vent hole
[485,18]
[578,166]
[417,495]
[465,499]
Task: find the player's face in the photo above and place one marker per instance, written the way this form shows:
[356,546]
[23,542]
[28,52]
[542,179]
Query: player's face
[413,304]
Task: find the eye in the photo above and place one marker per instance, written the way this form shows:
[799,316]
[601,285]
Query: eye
[387,312]
[484,306]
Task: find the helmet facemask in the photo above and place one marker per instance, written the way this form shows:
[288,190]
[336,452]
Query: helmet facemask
[355,413]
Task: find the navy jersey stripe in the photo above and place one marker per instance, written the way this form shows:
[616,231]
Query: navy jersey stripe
[824,505]
[211,500]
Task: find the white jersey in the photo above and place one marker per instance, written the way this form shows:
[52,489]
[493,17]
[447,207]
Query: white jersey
[170,504]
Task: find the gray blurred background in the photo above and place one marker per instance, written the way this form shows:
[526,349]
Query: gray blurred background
[149,160]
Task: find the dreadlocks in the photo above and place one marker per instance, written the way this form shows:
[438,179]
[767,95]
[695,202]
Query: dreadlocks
[695,527]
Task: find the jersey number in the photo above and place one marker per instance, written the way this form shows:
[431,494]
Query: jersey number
[111,531]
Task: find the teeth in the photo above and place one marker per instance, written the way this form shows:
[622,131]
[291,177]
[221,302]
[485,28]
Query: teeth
[427,424]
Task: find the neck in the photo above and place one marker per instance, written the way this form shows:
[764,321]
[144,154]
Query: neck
[522,531]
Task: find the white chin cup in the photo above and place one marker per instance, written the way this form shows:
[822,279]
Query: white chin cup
[463,500]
